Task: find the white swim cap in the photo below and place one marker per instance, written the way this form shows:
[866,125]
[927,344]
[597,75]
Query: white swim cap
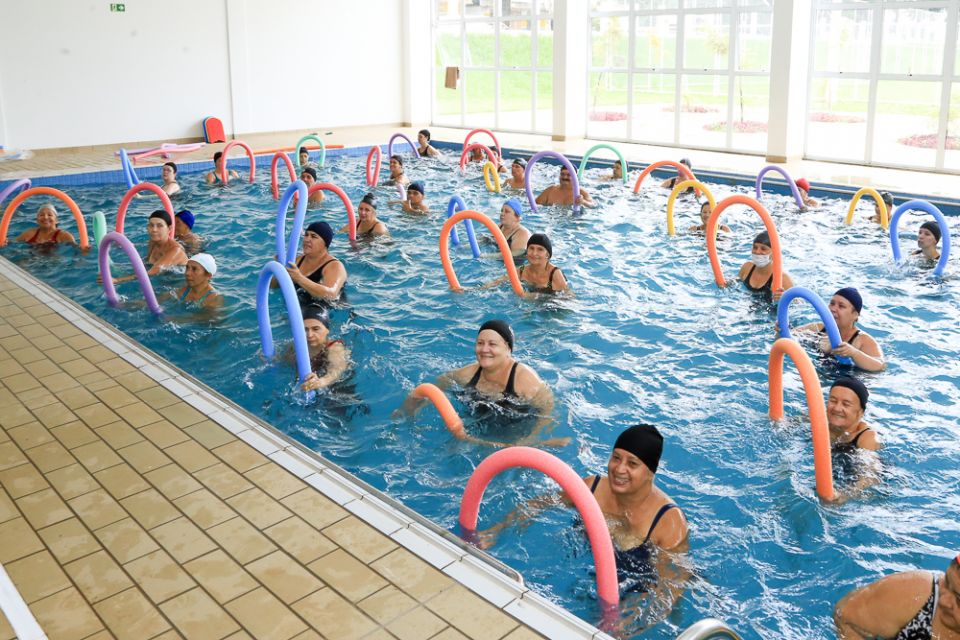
[206,261]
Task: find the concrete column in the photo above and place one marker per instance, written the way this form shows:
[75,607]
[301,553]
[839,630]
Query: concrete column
[570,53]
[417,45]
[789,62]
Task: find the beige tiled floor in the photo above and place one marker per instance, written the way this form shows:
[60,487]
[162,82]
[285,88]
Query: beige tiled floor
[127,513]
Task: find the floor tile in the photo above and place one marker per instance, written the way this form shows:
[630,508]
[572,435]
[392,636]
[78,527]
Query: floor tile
[163,434]
[275,481]
[69,540]
[137,414]
[37,576]
[66,616]
[119,435]
[121,481]
[172,481]
[388,604]
[209,434]
[144,456]
[30,435]
[300,540]
[96,415]
[204,508]
[350,577]
[265,617]
[72,481]
[334,616]
[242,541]
[14,415]
[22,480]
[116,397]
[74,434]
[17,540]
[241,456]
[314,508]
[97,509]
[259,508]
[183,539]
[43,508]
[470,614]
[182,414]
[157,397]
[126,540]
[221,576]
[413,575]
[360,539]
[50,456]
[98,576]
[159,575]
[222,480]
[196,615]
[418,624]
[130,616]
[53,415]
[96,456]
[284,576]
[77,398]
[8,509]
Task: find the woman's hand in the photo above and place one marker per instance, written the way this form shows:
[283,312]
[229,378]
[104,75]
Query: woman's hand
[312,382]
[844,349]
[294,273]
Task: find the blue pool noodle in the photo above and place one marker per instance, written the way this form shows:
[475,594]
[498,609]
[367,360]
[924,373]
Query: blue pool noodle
[783,317]
[287,251]
[926,207]
[457,204]
[275,269]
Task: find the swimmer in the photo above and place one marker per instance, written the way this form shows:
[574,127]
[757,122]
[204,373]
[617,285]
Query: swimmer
[803,186]
[317,274]
[851,437]
[304,157]
[162,252]
[563,193]
[169,175]
[670,183]
[705,211]
[643,521]
[887,198]
[541,275]
[368,227]
[198,291]
[501,168]
[517,170]
[498,377]
[859,346]
[46,232]
[477,155]
[415,202]
[328,358]
[757,273]
[907,605]
[397,176]
[617,172]
[426,150]
[928,236]
[183,232]
[309,178]
[515,233]
[214,176]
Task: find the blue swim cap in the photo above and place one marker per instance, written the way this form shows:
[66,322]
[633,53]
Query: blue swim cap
[514,204]
[416,186]
[187,216]
[853,297]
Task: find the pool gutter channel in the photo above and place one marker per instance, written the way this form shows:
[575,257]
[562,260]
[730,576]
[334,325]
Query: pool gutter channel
[491,579]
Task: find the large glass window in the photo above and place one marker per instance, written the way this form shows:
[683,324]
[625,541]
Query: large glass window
[692,73]
[882,73]
[503,53]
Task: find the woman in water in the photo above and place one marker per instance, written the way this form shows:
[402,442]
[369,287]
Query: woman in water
[517,170]
[928,236]
[859,346]
[317,274]
[198,291]
[162,252]
[426,150]
[803,186]
[415,202]
[168,173]
[46,232]
[510,224]
[757,273]
[328,358]
[705,211]
[368,226]
[397,176]
[539,274]
[498,378]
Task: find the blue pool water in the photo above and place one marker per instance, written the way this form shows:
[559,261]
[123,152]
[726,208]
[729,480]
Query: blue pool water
[648,337]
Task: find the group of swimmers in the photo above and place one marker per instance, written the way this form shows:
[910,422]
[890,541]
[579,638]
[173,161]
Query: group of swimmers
[642,517]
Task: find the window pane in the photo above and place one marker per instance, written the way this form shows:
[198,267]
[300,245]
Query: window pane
[447,101]
[656,4]
[707,4]
[952,157]
[907,119]
[607,115]
[515,44]
[479,86]
[545,7]
[703,112]
[516,100]
[508,9]
[913,41]
[843,40]
[656,42]
[480,38]
[654,101]
[545,45]
[837,124]
[609,5]
[543,122]
[751,111]
[706,41]
[609,38]
[753,41]
[449,9]
[448,45]
[475,8]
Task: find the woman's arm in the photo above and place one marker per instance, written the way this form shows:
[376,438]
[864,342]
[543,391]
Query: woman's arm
[337,355]
[868,356]
[333,279]
[881,609]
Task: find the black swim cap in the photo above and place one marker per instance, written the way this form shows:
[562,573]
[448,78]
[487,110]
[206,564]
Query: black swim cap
[932,227]
[856,386]
[853,297]
[316,312]
[686,161]
[398,159]
[887,197]
[521,162]
[163,215]
[369,200]
[501,327]
[310,171]
[217,155]
[542,240]
[763,238]
[643,441]
[425,133]
[323,230]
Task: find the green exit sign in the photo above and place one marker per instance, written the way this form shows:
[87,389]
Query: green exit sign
[118,7]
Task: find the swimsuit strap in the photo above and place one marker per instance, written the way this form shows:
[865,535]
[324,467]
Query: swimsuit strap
[596,481]
[474,380]
[854,336]
[186,292]
[550,277]
[656,519]
[509,390]
[56,234]
[33,239]
[853,441]
[204,296]
[333,342]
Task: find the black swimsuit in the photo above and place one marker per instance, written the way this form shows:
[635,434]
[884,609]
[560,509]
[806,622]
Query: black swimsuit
[535,289]
[766,287]
[921,626]
[843,456]
[303,295]
[635,569]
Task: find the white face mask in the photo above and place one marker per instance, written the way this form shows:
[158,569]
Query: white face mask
[761,259]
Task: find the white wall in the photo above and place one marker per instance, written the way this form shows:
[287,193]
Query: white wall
[72,73]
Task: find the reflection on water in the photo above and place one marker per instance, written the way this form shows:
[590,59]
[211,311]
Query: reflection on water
[647,336]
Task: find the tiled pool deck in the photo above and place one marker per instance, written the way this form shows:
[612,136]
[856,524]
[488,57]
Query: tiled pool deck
[136,503]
